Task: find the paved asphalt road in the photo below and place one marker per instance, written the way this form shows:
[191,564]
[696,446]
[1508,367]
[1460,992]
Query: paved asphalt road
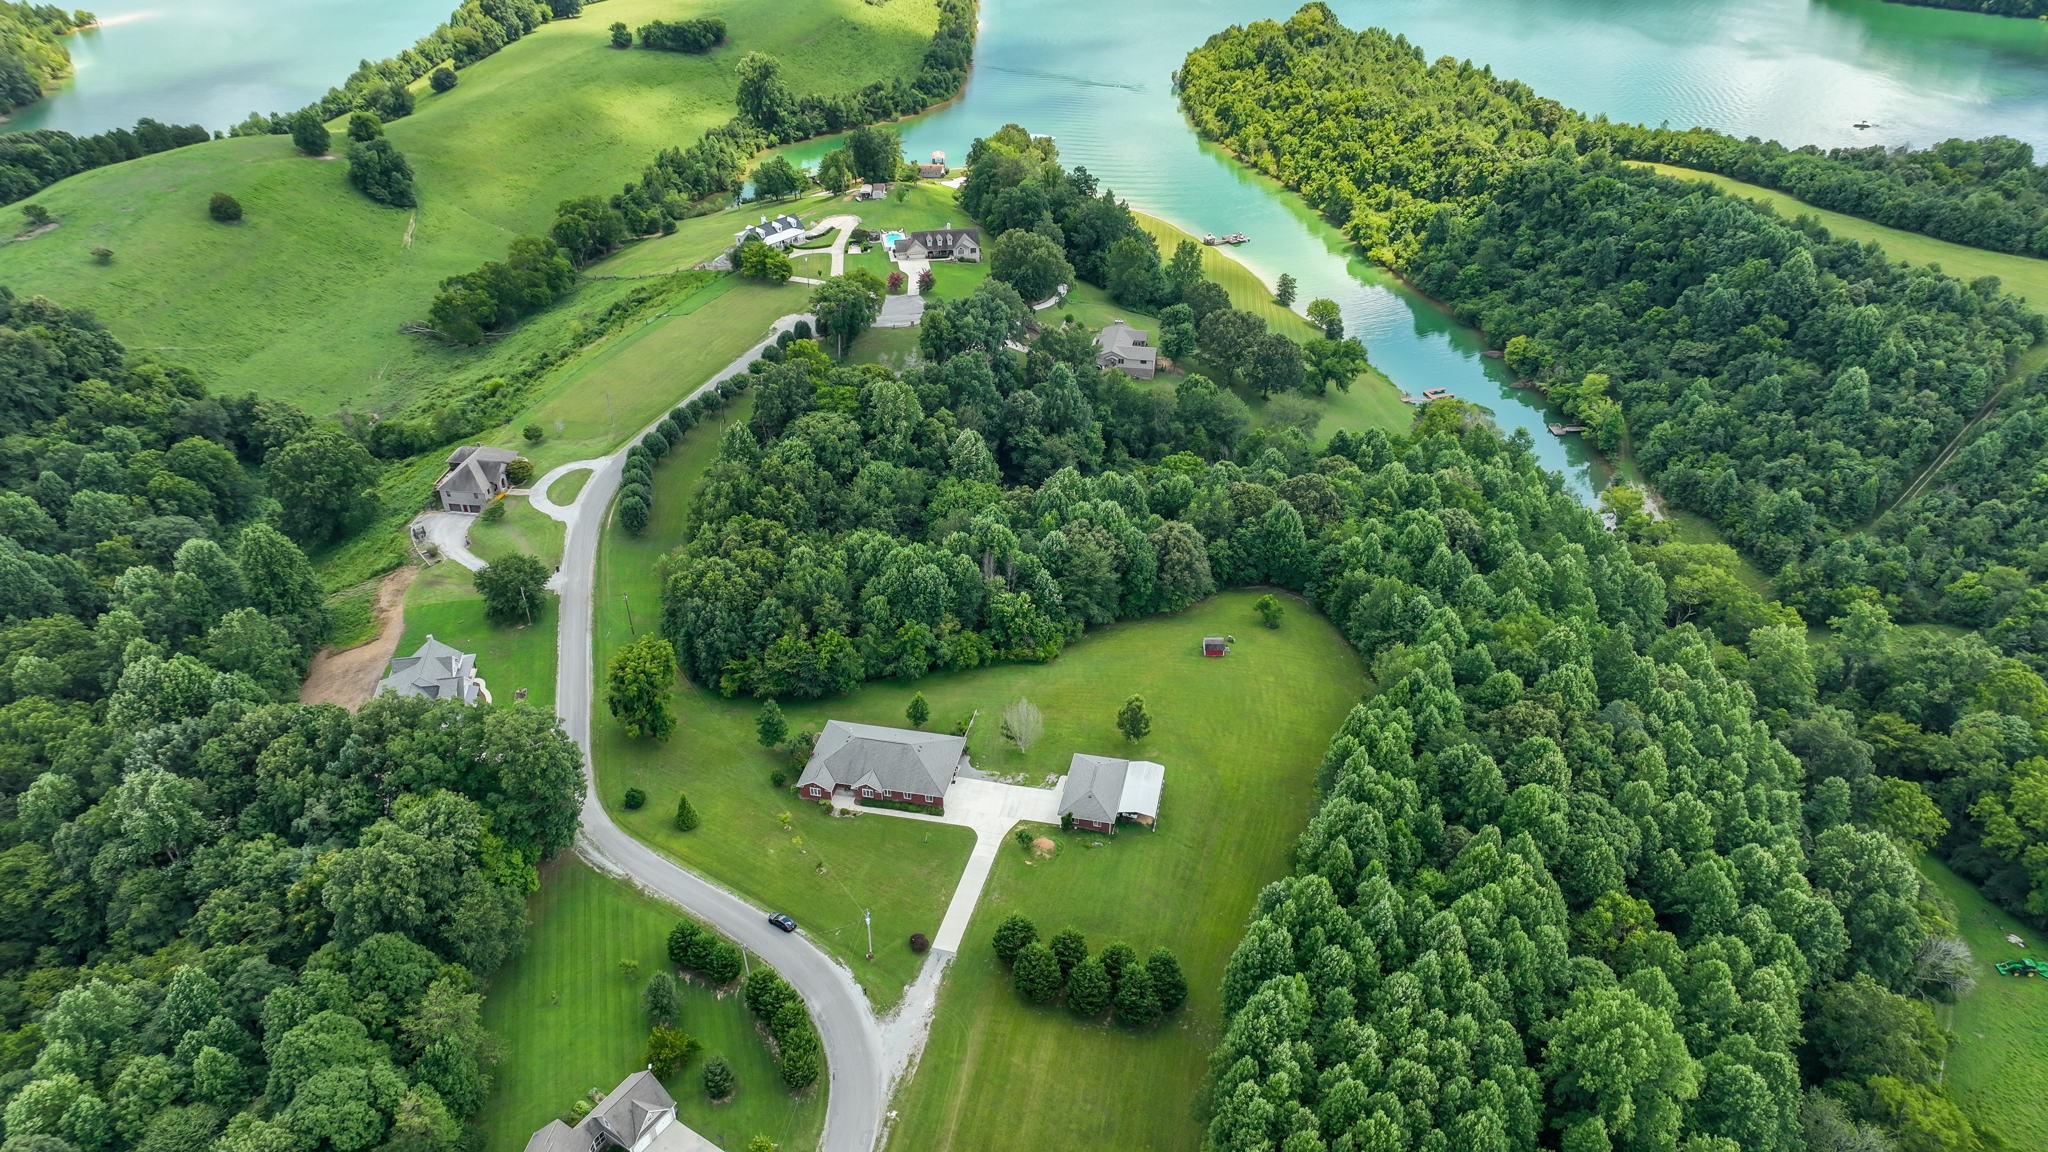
[852,1037]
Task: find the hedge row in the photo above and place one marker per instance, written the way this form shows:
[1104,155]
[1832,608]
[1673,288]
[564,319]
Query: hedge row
[776,1004]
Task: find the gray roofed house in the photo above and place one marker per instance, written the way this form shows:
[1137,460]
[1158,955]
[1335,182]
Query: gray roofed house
[876,763]
[1128,348]
[948,243]
[475,477]
[781,232]
[436,671]
[637,1116]
[1098,791]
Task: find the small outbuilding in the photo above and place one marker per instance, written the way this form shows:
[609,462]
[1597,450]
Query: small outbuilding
[1215,646]
[1099,792]
[871,192]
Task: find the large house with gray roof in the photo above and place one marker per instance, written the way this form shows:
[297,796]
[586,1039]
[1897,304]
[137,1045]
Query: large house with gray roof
[780,232]
[637,1116]
[1100,791]
[475,477]
[948,243]
[1121,346]
[436,671]
[869,762]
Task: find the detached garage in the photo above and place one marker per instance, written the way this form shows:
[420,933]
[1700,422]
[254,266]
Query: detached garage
[1099,792]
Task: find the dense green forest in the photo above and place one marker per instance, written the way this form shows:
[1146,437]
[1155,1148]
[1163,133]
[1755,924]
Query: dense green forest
[226,921]
[32,52]
[1784,384]
[1565,876]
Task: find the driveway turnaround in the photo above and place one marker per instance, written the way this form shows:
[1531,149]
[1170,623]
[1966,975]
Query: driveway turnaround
[449,532]
[853,1040]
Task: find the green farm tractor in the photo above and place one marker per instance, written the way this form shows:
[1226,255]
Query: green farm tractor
[2029,967]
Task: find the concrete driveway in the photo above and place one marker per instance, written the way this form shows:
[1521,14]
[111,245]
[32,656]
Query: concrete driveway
[449,532]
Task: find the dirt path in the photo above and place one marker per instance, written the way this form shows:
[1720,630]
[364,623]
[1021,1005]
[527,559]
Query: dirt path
[349,676]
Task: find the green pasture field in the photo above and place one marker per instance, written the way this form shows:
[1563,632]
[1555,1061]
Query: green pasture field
[305,297]
[1240,738]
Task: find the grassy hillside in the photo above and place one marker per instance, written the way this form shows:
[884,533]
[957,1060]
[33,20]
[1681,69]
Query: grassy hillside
[304,298]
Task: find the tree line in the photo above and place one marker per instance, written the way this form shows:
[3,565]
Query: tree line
[696,36]
[2030,9]
[227,921]
[33,160]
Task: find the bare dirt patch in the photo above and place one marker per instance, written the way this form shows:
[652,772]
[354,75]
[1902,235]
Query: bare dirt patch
[349,676]
[1043,847]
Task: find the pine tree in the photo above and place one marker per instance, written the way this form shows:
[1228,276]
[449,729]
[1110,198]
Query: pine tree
[1169,985]
[1088,990]
[1136,1006]
[770,726]
[1070,948]
[1283,294]
[1012,936]
[1037,974]
[719,1081]
[1132,720]
[686,816]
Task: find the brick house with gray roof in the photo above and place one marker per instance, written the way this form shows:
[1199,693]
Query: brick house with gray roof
[870,762]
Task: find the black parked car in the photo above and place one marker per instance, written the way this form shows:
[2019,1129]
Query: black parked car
[781,920]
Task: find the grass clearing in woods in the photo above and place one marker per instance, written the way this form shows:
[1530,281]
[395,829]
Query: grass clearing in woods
[1240,738]
[1998,1070]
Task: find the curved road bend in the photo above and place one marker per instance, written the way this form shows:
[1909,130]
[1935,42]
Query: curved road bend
[846,1025]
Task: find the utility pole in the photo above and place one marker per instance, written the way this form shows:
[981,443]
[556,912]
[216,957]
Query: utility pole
[629,615]
[746,969]
[869,919]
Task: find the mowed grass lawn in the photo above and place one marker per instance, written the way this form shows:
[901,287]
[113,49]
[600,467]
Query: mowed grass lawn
[569,1021]
[522,530]
[608,393]
[2023,276]
[305,297]
[820,870]
[443,603]
[1240,738]
[1999,1068]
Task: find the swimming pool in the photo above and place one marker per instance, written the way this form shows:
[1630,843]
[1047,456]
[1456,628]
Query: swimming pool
[889,240]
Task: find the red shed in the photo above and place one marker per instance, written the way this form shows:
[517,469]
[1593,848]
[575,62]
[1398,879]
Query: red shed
[1214,646]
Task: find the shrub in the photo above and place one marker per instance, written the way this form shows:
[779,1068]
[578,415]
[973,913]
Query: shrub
[1136,1006]
[1169,985]
[35,215]
[686,816]
[493,512]
[380,171]
[532,433]
[1037,974]
[918,711]
[694,36]
[778,779]
[364,126]
[1070,948]
[1088,988]
[633,514]
[719,1081]
[716,959]
[802,329]
[309,135]
[681,939]
[224,208]
[103,254]
[1118,959]
[1013,935]
[668,1050]
[636,799]
[1023,836]
[442,79]
[920,943]
[622,36]
[519,471]
[1270,610]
